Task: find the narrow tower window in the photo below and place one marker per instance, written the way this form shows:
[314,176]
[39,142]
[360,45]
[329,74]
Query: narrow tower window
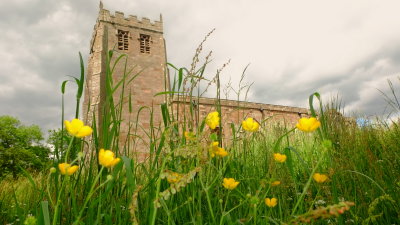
[144,43]
[123,43]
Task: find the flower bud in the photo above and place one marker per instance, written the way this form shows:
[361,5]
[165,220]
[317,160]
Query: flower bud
[80,155]
[109,177]
[53,170]
[254,200]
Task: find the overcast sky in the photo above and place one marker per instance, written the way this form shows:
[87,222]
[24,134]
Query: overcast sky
[345,48]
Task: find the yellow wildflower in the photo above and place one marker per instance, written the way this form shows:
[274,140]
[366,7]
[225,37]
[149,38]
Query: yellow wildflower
[212,120]
[77,128]
[221,152]
[67,169]
[250,125]
[190,136]
[230,183]
[215,150]
[271,202]
[308,124]
[174,177]
[275,183]
[280,157]
[320,178]
[107,158]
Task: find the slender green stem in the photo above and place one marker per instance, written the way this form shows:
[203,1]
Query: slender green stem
[153,213]
[48,189]
[227,213]
[69,149]
[306,187]
[208,200]
[278,142]
[56,210]
[255,214]
[58,200]
[316,196]
[369,178]
[91,192]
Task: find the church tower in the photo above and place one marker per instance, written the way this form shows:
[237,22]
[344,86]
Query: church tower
[143,43]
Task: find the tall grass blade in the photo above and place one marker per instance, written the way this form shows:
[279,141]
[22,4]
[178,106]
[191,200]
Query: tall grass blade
[44,211]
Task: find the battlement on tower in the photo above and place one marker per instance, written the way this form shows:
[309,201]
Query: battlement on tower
[119,18]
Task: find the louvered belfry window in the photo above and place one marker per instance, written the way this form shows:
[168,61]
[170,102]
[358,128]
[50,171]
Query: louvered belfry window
[123,43]
[144,43]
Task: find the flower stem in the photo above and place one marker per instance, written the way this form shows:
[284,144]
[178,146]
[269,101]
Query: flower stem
[208,200]
[63,183]
[68,149]
[91,192]
[306,187]
[278,142]
[153,212]
[58,200]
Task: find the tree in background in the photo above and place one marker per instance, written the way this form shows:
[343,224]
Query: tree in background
[20,147]
[59,140]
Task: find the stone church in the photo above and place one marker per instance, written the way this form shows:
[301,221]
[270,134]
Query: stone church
[142,41]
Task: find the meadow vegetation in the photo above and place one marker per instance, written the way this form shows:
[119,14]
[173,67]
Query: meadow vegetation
[325,170]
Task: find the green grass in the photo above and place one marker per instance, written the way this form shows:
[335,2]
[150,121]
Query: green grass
[363,165]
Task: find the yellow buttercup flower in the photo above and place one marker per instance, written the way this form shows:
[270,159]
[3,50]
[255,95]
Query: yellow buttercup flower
[280,157]
[221,152]
[212,120]
[174,177]
[67,169]
[190,136]
[107,158]
[230,183]
[215,150]
[320,178]
[250,125]
[275,183]
[271,202]
[77,128]
[308,124]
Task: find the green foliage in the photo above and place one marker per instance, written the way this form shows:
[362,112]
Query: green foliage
[59,140]
[20,147]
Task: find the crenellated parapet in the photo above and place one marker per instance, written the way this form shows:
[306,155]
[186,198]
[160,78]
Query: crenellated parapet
[119,18]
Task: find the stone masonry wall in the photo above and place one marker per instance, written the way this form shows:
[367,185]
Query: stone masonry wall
[236,111]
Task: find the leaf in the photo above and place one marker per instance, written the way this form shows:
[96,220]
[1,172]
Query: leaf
[27,175]
[82,80]
[169,92]
[214,137]
[130,180]
[165,114]
[44,206]
[310,102]
[180,78]
[63,86]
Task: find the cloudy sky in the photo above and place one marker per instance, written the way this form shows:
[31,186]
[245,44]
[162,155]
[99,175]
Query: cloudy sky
[294,48]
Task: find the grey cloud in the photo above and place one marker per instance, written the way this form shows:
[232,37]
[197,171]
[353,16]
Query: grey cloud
[348,85]
[21,13]
[41,39]
[40,46]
